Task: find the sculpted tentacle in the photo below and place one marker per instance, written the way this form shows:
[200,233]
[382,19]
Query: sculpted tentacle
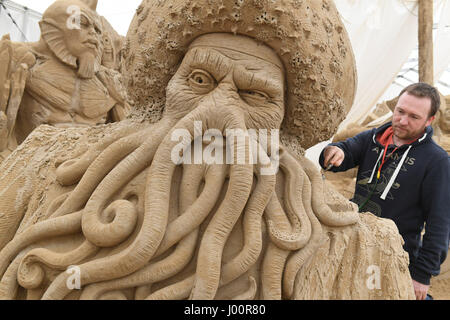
[298,258]
[177,291]
[144,246]
[71,171]
[252,228]
[31,273]
[215,236]
[60,226]
[198,211]
[154,272]
[320,208]
[108,160]
[250,293]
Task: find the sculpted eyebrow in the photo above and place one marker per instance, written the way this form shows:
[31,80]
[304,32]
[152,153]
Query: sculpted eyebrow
[250,80]
[217,64]
[85,19]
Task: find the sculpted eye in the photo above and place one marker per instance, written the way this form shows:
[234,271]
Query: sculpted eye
[84,22]
[253,94]
[201,81]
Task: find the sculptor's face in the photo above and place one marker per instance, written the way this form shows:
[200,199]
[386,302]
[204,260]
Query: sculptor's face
[411,116]
[232,71]
[87,39]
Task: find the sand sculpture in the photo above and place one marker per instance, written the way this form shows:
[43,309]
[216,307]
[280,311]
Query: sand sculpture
[68,78]
[106,209]
[442,125]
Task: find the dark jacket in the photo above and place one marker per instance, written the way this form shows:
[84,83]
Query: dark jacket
[413,190]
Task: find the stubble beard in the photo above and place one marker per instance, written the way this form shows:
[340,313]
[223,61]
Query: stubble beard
[407,135]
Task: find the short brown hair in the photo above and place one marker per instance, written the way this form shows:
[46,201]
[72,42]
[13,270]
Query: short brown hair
[421,90]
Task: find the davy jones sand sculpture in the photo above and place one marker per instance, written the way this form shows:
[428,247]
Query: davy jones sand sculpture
[68,78]
[128,222]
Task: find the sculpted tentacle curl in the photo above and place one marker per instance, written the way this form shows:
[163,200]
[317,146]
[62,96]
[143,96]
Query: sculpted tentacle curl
[293,203]
[9,285]
[31,273]
[108,160]
[154,272]
[250,293]
[71,171]
[321,209]
[69,224]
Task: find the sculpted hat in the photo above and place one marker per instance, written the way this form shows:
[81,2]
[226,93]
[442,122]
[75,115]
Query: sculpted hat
[308,36]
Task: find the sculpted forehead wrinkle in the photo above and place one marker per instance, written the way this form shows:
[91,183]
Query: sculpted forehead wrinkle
[215,62]
[239,44]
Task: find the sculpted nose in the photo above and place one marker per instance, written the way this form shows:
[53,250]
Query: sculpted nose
[227,89]
[92,31]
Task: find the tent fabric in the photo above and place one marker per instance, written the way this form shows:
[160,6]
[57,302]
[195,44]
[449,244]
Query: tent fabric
[441,38]
[27,29]
[383,34]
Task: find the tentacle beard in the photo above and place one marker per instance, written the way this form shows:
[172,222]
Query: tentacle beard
[140,226]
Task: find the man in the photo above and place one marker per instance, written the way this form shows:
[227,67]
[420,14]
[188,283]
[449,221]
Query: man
[404,176]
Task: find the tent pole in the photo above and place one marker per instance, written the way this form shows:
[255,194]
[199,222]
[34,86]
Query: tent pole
[426,63]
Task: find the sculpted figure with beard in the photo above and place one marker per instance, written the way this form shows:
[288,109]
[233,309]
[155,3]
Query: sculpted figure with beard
[125,218]
[59,80]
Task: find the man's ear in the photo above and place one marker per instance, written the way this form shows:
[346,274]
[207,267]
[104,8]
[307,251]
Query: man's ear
[430,120]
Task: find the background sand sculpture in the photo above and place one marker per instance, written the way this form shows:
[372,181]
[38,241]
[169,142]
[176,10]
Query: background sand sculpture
[68,78]
[109,200]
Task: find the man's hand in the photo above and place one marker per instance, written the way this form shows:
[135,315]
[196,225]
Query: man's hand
[333,155]
[420,290]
